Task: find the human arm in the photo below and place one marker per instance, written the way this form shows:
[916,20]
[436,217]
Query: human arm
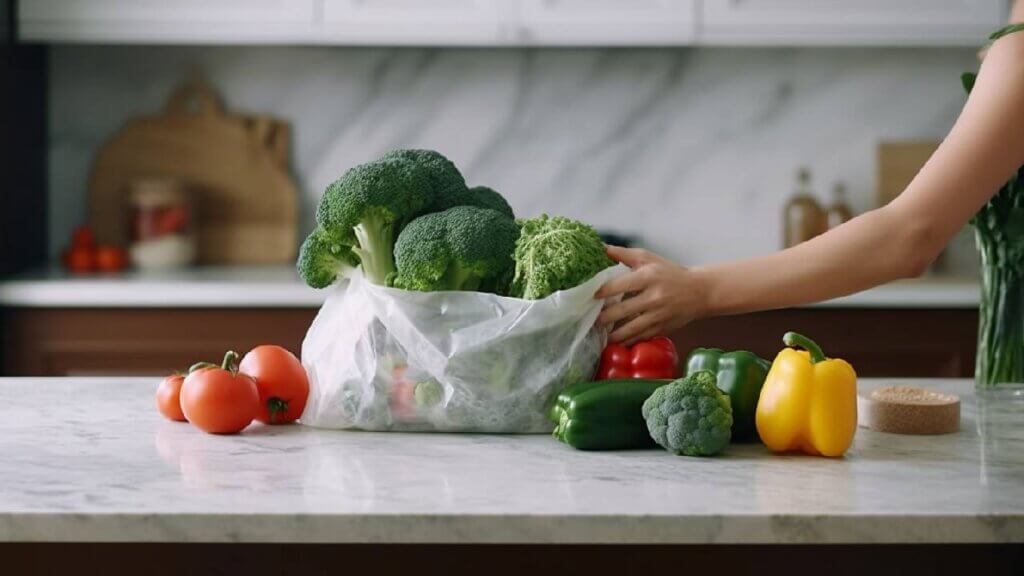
[985,146]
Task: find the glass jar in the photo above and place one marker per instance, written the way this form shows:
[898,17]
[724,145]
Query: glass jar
[161,225]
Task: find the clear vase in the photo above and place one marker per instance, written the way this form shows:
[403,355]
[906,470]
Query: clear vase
[1000,362]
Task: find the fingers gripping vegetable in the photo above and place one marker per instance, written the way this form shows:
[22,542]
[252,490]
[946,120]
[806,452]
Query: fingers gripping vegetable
[220,400]
[655,358]
[808,403]
[281,381]
[690,416]
[740,374]
[555,254]
[462,248]
[168,397]
[604,415]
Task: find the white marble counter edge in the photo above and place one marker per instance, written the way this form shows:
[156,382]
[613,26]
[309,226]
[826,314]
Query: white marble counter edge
[113,293]
[509,529]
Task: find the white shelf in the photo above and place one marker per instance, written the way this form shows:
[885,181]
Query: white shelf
[280,287]
[514,22]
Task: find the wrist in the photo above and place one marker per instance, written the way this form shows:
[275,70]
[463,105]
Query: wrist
[703,289]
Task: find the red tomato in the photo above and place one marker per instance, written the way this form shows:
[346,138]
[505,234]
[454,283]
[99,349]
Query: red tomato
[83,238]
[111,259]
[281,381]
[220,400]
[168,397]
[80,260]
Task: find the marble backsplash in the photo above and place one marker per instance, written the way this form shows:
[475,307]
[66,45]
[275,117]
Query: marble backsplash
[694,150]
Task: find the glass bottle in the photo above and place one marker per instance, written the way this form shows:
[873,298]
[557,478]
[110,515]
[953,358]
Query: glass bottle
[839,211]
[803,216]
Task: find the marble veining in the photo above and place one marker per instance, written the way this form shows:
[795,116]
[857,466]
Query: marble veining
[89,459]
[695,150]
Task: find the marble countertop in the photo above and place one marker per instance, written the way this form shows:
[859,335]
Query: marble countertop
[280,287]
[91,460]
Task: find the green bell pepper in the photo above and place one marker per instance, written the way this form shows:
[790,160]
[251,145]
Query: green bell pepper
[604,415]
[740,374]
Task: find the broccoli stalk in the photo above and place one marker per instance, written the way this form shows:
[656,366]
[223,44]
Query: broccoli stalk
[375,241]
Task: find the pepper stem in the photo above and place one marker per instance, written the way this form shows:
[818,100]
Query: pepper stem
[230,361]
[794,340]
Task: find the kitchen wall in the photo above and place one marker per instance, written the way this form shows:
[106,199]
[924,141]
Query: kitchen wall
[694,149]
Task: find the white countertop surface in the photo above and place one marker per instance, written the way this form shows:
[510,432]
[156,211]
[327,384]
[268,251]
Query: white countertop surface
[280,287]
[91,460]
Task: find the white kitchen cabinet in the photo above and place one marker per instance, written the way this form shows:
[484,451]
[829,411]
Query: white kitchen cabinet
[405,22]
[607,22]
[513,22]
[166,21]
[850,22]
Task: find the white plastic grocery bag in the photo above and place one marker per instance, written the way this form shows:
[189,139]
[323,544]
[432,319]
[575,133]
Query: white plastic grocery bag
[385,359]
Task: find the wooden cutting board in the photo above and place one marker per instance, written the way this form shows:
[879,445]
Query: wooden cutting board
[237,166]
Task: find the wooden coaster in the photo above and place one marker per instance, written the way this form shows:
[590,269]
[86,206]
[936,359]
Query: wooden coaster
[908,410]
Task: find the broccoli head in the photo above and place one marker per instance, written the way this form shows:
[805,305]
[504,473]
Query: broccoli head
[439,170]
[368,206]
[462,248]
[690,416]
[555,254]
[324,257]
[479,196]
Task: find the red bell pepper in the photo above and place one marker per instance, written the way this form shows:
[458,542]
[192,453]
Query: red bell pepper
[654,358]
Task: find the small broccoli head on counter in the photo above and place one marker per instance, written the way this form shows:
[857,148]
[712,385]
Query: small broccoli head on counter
[690,416]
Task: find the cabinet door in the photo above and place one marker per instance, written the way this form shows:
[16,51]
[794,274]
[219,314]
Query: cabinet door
[607,22]
[177,21]
[416,22]
[867,22]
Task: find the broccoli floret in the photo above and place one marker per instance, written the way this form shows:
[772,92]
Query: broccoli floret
[462,248]
[555,254]
[370,204]
[690,416]
[448,185]
[324,257]
[440,171]
[479,196]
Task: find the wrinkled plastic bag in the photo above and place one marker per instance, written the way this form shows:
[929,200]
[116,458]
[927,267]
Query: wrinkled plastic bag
[380,358]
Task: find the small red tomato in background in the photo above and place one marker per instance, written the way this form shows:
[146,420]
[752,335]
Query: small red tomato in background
[111,259]
[281,380]
[220,400]
[79,260]
[168,397]
[83,238]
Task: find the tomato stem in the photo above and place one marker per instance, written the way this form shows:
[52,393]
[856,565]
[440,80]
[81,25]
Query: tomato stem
[276,406]
[200,366]
[230,362]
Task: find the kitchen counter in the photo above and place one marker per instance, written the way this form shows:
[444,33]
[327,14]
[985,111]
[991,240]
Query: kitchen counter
[91,460]
[280,287]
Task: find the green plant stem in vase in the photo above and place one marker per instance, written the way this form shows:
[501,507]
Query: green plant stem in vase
[999,234]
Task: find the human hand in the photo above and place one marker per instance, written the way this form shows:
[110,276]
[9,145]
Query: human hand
[658,296]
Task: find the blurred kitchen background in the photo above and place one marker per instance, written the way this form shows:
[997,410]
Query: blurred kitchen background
[705,130]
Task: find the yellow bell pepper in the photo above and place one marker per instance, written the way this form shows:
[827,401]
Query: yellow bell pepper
[808,403]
